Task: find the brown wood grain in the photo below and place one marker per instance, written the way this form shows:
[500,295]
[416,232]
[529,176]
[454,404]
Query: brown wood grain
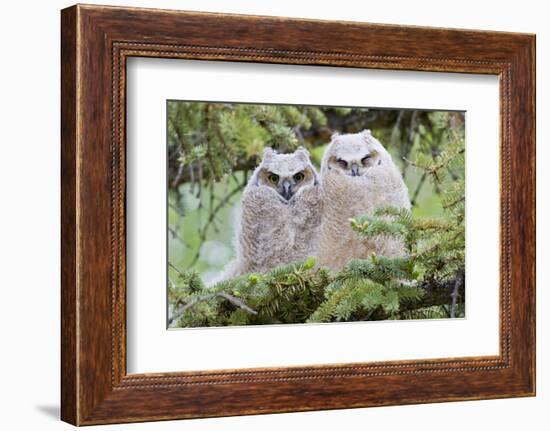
[96,41]
[68,218]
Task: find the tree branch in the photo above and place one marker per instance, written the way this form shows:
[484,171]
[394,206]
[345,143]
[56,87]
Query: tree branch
[456,294]
[232,299]
[237,302]
[418,188]
[210,220]
[437,294]
[175,268]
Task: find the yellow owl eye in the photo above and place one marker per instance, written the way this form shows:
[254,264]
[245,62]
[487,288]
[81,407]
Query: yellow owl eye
[274,179]
[342,163]
[299,177]
[364,159]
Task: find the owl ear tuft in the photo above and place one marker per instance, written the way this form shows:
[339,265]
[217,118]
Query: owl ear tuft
[334,136]
[302,153]
[268,153]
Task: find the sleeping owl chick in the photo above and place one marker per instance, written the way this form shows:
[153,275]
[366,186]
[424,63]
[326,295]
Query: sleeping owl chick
[357,175]
[280,214]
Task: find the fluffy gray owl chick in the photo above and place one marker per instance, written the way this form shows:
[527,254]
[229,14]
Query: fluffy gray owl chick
[358,175]
[280,214]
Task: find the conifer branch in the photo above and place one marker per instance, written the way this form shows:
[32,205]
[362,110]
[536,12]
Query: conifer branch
[232,299]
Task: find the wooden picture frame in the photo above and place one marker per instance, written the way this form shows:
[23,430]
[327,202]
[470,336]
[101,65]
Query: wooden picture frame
[96,41]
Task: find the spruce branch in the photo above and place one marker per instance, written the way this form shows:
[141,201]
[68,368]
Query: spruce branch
[232,299]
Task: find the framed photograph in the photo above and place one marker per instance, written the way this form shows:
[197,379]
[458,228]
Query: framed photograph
[264,215]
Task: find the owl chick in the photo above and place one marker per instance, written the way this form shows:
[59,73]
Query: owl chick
[358,176]
[280,214]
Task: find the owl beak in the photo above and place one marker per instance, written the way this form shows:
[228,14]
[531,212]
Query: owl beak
[354,170]
[287,190]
